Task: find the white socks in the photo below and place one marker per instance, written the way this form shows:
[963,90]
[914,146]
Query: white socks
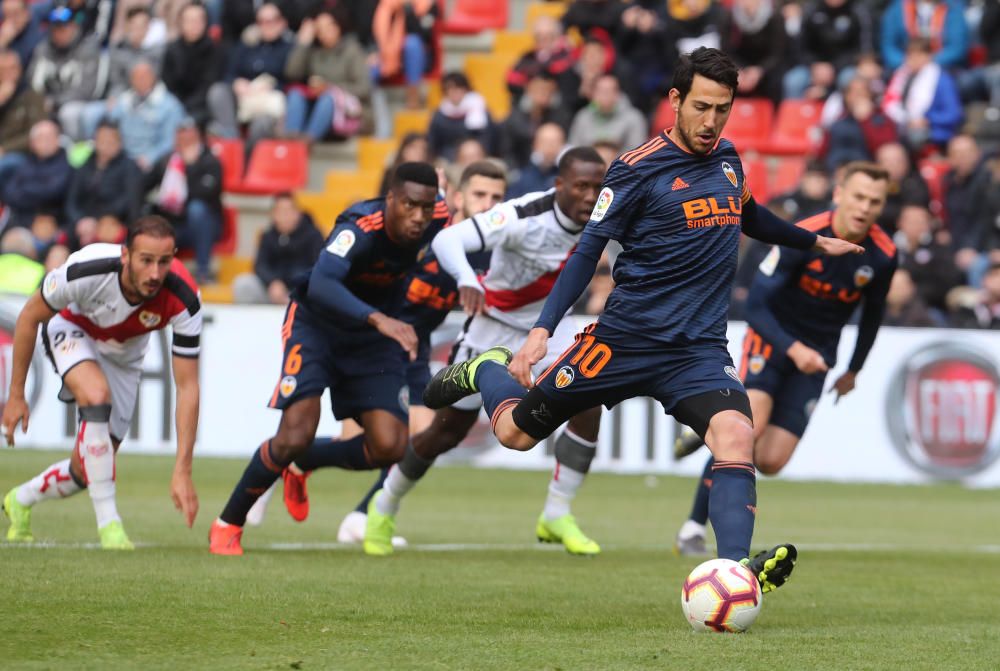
[55,482]
[98,457]
[566,480]
[395,487]
[691,529]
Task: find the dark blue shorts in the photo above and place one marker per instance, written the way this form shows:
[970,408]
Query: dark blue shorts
[363,371]
[418,373]
[595,371]
[795,394]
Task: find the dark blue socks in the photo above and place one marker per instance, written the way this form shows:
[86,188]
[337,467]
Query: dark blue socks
[732,507]
[259,475]
[496,386]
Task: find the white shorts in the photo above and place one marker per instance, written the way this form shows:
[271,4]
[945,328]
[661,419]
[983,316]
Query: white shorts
[483,332]
[67,345]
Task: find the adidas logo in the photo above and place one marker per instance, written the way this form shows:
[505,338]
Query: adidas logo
[679,184]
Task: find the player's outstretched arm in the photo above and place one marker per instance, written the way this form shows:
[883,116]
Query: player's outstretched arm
[871,319]
[34,313]
[182,489]
[450,247]
[762,224]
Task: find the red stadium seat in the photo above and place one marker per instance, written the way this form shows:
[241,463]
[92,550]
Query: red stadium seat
[933,171]
[796,130]
[786,177]
[749,125]
[755,170]
[471,17]
[275,166]
[663,118]
[230,154]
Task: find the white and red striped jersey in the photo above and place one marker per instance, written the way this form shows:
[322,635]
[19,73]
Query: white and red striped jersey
[86,290]
[531,240]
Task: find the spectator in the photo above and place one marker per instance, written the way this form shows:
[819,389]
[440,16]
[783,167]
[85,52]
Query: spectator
[40,182]
[860,131]
[835,34]
[586,15]
[189,183]
[20,273]
[903,307]
[929,262]
[192,62]
[755,39]
[869,69]
[413,147]
[811,197]
[148,115]
[987,198]
[461,115]
[251,90]
[639,40]
[108,183]
[609,117]
[922,98]
[134,46]
[154,35]
[288,247]
[19,31]
[983,81]
[551,54]
[941,22]
[690,24]
[984,311]
[46,233]
[597,57]
[540,104]
[962,185]
[332,65]
[66,69]
[609,151]
[906,186]
[94,17]
[468,152]
[403,31]
[540,173]
[20,109]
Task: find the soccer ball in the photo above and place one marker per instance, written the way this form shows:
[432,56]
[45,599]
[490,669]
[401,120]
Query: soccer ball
[721,595]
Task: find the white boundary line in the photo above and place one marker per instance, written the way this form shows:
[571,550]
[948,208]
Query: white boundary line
[859,548]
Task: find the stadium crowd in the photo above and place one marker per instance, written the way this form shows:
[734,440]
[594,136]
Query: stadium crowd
[106,107]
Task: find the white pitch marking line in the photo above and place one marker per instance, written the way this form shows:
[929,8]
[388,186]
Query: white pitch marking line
[508,547]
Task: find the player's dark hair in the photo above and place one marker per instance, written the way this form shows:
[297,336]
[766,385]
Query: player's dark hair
[873,170]
[151,225]
[485,168]
[282,195]
[709,63]
[136,11]
[419,173]
[578,155]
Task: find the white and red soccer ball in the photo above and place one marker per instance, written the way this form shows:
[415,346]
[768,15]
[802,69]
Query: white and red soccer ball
[721,595]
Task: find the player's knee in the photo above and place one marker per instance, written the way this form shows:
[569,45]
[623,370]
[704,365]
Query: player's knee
[731,438]
[385,449]
[97,394]
[290,442]
[770,464]
[514,438]
[586,424]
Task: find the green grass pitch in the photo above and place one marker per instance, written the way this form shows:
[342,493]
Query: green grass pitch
[888,578]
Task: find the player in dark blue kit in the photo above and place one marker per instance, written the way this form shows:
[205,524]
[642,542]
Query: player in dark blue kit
[677,205]
[430,294]
[340,333]
[799,303]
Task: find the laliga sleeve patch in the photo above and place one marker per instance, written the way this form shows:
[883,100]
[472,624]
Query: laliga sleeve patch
[342,243]
[604,200]
[770,262]
[495,219]
[51,283]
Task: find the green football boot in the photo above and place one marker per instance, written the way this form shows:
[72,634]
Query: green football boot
[20,519]
[113,537]
[773,567]
[565,530]
[455,382]
[379,529]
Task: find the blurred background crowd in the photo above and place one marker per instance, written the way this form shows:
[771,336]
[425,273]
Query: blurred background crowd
[251,124]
